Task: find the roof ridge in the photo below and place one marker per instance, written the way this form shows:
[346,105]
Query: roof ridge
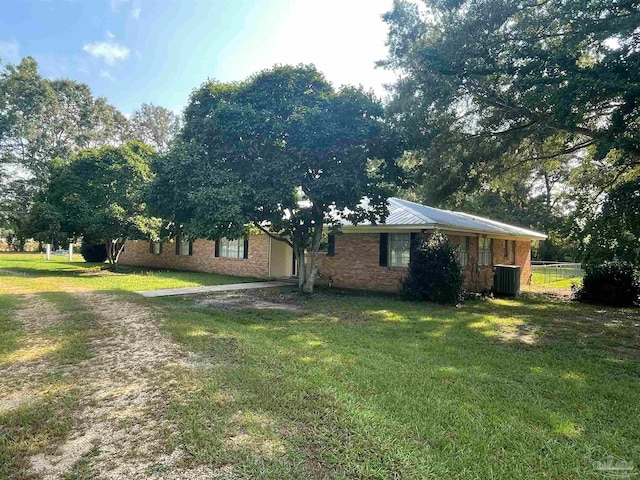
[400,202]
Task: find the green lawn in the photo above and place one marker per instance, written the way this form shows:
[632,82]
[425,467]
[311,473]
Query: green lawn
[554,278]
[44,275]
[374,387]
[358,386]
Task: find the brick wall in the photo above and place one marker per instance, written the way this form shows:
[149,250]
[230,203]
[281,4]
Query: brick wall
[137,253]
[356,264]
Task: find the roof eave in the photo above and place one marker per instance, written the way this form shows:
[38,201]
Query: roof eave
[381,228]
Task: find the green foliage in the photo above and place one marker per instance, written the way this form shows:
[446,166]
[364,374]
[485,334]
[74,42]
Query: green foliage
[610,283]
[251,151]
[615,232]
[155,125]
[530,103]
[41,119]
[94,253]
[44,224]
[100,194]
[434,272]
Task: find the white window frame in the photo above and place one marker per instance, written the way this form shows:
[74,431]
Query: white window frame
[231,248]
[399,249]
[463,250]
[485,251]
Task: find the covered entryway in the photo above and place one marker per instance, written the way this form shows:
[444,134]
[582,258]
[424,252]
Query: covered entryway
[281,260]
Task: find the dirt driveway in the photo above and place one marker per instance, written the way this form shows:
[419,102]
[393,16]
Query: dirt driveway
[121,390]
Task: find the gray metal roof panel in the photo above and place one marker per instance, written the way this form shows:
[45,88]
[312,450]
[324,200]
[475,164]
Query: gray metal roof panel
[404,212]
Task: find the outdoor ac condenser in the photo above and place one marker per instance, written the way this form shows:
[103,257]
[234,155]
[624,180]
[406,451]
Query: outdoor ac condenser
[506,280]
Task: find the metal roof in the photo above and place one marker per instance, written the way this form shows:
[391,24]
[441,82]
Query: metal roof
[406,213]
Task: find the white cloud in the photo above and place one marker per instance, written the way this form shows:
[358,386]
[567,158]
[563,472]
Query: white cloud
[107,75]
[110,52]
[9,51]
[135,12]
[110,35]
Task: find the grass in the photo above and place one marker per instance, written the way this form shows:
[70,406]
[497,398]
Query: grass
[555,278]
[35,273]
[42,417]
[365,386]
[374,387]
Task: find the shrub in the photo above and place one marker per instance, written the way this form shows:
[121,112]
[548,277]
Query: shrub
[610,283]
[94,252]
[434,272]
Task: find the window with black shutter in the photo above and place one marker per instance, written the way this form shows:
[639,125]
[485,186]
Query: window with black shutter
[384,249]
[331,245]
[414,244]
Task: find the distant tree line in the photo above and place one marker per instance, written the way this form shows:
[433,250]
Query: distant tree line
[43,119]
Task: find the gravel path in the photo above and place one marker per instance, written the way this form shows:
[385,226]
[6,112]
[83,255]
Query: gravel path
[119,424]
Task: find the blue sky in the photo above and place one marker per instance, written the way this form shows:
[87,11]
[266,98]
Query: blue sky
[158,51]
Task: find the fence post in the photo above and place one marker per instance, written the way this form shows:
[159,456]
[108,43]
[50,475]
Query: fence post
[71,252]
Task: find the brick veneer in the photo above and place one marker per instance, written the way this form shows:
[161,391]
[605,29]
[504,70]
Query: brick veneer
[356,264]
[136,252]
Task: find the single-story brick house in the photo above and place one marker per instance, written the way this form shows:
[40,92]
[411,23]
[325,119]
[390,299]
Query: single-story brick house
[363,256]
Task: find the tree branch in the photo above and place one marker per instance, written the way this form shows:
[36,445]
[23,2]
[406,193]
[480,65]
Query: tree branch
[275,237]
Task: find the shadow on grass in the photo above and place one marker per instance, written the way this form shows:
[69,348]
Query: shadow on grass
[438,387]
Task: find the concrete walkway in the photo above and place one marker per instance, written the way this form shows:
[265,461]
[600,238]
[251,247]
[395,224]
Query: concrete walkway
[167,292]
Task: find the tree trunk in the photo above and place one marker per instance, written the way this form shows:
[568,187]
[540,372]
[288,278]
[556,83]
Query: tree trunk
[312,272]
[311,265]
[301,264]
[114,249]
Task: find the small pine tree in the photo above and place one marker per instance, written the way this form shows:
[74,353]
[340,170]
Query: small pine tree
[434,272]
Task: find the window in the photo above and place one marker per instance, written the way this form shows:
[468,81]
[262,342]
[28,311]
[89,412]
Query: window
[183,246]
[232,248]
[512,252]
[505,248]
[484,251]
[399,249]
[156,248]
[463,251]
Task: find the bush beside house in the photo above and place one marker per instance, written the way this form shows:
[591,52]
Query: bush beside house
[434,272]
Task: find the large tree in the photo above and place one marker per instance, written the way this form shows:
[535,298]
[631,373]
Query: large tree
[489,88]
[155,125]
[41,119]
[282,151]
[100,194]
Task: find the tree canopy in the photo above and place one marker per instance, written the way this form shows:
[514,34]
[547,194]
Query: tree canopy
[99,194]
[40,120]
[282,151]
[533,100]
[155,125]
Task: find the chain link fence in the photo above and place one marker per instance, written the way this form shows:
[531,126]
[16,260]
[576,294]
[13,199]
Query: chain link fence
[549,272]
